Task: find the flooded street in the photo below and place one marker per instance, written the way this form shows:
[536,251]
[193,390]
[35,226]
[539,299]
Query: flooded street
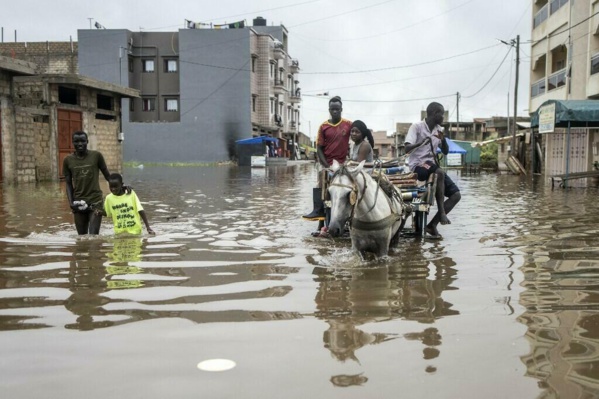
[505,306]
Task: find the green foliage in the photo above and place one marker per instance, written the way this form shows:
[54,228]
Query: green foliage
[488,156]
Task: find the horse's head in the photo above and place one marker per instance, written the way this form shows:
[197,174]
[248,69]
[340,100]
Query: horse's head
[343,191]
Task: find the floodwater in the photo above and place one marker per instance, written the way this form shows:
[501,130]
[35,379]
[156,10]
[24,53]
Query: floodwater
[505,306]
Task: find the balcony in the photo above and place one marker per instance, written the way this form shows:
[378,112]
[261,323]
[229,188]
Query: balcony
[541,16]
[279,53]
[558,79]
[296,96]
[294,67]
[279,86]
[592,87]
[538,88]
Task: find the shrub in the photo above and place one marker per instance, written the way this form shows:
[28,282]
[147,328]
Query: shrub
[488,156]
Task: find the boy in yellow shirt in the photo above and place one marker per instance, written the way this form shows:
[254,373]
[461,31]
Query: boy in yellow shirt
[125,210]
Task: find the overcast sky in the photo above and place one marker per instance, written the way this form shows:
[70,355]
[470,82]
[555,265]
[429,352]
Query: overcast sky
[387,59]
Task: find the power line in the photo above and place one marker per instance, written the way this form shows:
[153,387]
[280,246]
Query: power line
[217,89]
[396,101]
[563,31]
[400,66]
[343,13]
[391,31]
[492,76]
[306,92]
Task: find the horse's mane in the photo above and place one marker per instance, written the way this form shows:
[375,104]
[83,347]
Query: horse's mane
[384,183]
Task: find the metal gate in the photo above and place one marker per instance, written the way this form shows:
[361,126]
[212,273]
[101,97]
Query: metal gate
[556,159]
[68,122]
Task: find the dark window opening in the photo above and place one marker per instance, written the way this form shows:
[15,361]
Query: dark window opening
[67,95]
[105,102]
[148,104]
[131,105]
[41,118]
[130,62]
[105,117]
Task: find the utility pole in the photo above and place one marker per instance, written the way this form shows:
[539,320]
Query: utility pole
[458,115]
[514,125]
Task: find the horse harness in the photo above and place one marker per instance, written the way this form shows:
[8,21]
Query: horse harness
[354,200]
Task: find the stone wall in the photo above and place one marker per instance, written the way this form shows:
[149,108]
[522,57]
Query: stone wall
[30,151]
[50,57]
[107,143]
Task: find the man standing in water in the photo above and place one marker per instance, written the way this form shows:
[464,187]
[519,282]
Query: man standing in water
[423,139]
[81,171]
[332,143]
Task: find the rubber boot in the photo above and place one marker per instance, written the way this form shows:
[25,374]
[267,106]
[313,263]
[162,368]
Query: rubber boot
[318,211]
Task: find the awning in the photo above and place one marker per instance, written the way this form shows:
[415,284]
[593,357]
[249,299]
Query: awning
[578,111]
[258,140]
[453,147]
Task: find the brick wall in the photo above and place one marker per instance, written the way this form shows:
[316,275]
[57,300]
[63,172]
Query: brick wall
[50,57]
[5,80]
[25,147]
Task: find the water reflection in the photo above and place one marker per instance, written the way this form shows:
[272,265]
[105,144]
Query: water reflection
[556,230]
[231,251]
[348,299]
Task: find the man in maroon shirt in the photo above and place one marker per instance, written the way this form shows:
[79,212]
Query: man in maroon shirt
[332,143]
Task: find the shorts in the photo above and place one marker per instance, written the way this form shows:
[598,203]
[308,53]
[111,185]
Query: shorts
[424,171]
[450,187]
[427,169]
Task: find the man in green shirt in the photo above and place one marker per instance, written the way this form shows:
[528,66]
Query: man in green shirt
[81,171]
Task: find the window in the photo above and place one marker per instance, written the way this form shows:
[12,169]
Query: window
[537,88]
[148,65]
[541,16]
[272,70]
[594,64]
[131,105]
[130,62]
[253,103]
[171,105]
[105,102]
[556,5]
[253,64]
[66,95]
[272,105]
[556,80]
[170,66]
[148,104]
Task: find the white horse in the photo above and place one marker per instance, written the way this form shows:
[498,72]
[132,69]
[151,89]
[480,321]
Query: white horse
[375,219]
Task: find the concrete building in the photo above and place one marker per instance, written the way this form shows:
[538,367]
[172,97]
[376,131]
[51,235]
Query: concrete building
[565,66]
[38,114]
[201,89]
[564,51]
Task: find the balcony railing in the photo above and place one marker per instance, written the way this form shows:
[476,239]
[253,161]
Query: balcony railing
[541,16]
[537,88]
[556,80]
[556,5]
[595,64]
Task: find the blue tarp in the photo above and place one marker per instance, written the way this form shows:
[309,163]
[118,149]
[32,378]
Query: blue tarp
[453,147]
[257,140]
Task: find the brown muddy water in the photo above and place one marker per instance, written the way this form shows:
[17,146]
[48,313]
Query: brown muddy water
[505,306]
